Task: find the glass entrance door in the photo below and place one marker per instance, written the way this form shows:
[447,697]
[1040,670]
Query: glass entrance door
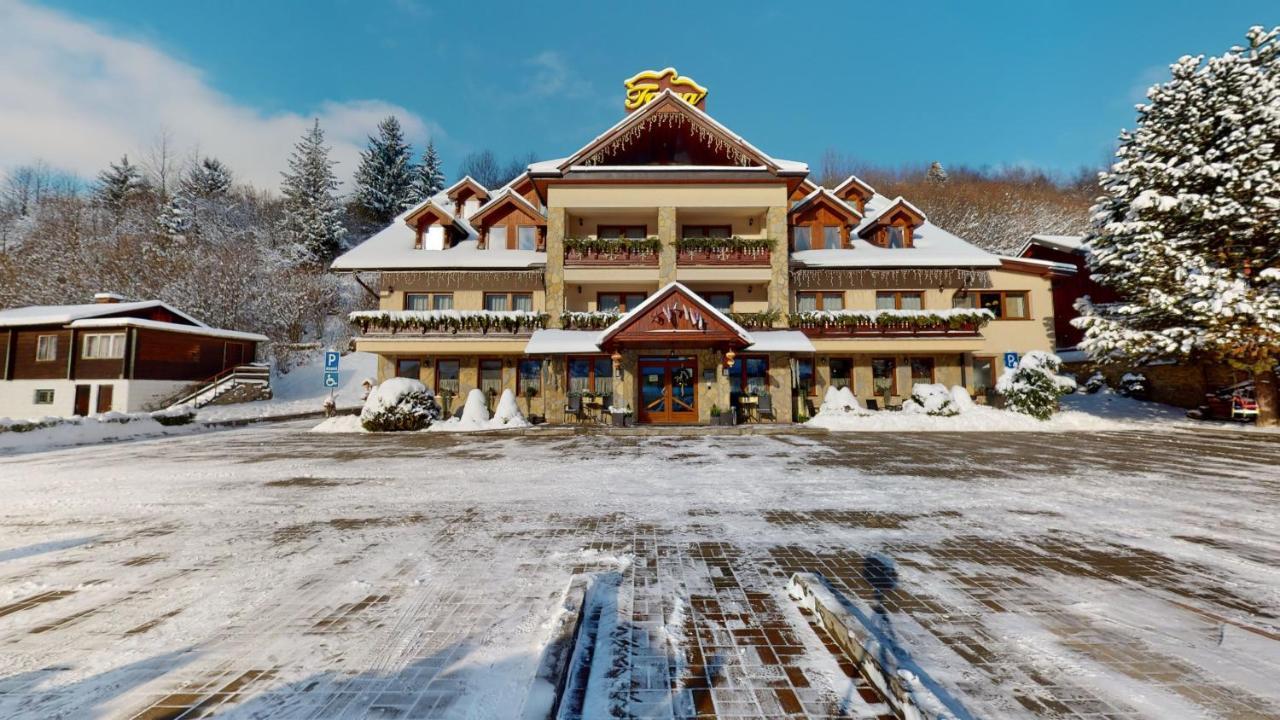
[668,390]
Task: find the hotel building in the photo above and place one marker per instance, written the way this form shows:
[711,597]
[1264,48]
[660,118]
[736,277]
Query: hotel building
[674,268]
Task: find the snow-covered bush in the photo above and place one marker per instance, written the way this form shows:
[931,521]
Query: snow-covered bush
[1134,385]
[840,401]
[178,415]
[476,409]
[930,399]
[961,399]
[507,410]
[399,404]
[1096,382]
[1033,388]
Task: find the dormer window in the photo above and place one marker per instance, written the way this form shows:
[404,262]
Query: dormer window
[831,237]
[802,238]
[896,237]
[497,237]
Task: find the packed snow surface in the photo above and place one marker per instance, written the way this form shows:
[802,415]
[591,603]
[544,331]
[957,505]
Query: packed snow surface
[302,390]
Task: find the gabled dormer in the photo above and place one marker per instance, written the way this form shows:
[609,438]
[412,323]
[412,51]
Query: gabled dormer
[510,222]
[895,226]
[821,221]
[435,227]
[855,192]
[466,196]
[802,190]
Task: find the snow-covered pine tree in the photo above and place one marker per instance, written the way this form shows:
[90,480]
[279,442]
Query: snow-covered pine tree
[936,175]
[202,190]
[429,178]
[385,178]
[118,184]
[312,217]
[1189,228]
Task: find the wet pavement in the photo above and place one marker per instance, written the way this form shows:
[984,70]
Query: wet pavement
[270,572]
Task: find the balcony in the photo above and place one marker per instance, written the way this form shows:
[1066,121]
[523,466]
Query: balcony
[447,323]
[731,251]
[600,252]
[958,323]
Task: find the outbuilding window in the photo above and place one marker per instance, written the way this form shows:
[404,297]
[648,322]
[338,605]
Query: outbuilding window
[103,347]
[44,396]
[46,348]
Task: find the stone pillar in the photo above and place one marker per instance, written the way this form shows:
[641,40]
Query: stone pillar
[386,367]
[667,233]
[779,264]
[780,386]
[557,219]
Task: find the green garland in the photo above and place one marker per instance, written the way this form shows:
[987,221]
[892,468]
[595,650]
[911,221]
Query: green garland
[758,320]
[724,244]
[956,319]
[616,246]
[596,320]
[453,321]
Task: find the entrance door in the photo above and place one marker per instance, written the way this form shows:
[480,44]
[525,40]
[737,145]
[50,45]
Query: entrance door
[668,390]
[82,401]
[104,398]
[234,354]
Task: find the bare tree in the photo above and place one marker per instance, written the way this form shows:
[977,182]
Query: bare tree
[161,164]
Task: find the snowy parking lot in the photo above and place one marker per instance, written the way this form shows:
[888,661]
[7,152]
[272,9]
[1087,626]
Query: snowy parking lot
[273,572]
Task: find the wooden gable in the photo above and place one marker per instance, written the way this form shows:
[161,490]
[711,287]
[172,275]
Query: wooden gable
[855,192]
[802,190]
[900,214]
[674,318]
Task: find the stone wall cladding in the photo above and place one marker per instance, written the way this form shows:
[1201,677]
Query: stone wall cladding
[780,264]
[556,218]
[668,232]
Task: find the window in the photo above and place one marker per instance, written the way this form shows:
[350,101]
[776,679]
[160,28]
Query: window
[491,378]
[810,301]
[103,347]
[500,302]
[498,237]
[896,236]
[409,368]
[1005,305]
[527,236]
[922,370]
[722,301]
[529,377]
[984,374]
[884,376]
[618,302]
[591,374]
[706,231]
[522,302]
[801,236]
[831,237]
[842,372]
[46,348]
[899,300]
[616,232]
[447,377]
[44,397]
[495,302]
[804,383]
[428,301]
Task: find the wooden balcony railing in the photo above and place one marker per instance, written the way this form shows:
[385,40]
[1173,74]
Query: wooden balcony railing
[723,251]
[891,323]
[594,252]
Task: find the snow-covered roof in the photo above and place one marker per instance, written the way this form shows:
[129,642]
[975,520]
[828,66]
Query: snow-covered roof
[874,216]
[90,323]
[506,192]
[853,180]
[466,180]
[1065,243]
[822,192]
[780,341]
[62,314]
[392,248]
[562,342]
[931,247]
[1058,267]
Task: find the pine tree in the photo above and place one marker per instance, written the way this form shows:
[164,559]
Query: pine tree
[384,180]
[202,195]
[936,175]
[118,185]
[429,179]
[313,217]
[1187,231]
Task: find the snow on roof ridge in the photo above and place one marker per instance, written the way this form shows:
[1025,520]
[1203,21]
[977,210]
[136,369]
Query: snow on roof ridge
[853,179]
[498,196]
[105,322]
[829,194]
[661,293]
[59,314]
[447,191]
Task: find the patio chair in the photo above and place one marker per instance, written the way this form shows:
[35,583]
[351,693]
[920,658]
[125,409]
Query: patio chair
[764,407]
[574,407]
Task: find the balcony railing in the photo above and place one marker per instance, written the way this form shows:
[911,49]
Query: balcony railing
[448,322]
[960,322]
[723,251]
[589,252]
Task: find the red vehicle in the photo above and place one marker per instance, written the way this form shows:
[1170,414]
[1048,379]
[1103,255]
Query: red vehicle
[1234,402]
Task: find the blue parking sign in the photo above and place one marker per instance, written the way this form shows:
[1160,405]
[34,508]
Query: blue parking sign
[1011,360]
[331,361]
[331,379]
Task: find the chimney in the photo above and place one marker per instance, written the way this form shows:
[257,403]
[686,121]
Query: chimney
[106,297]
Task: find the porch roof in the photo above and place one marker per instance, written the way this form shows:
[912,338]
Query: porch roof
[563,342]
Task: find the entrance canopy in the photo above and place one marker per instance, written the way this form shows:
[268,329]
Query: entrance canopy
[675,317]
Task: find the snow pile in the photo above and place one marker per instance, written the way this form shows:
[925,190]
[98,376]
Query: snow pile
[932,399]
[1033,388]
[839,402]
[960,398]
[475,414]
[302,390]
[399,404]
[49,432]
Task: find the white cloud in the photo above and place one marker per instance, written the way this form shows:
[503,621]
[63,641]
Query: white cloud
[77,97]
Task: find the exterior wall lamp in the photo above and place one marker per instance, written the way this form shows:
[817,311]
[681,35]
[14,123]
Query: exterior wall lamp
[728,359]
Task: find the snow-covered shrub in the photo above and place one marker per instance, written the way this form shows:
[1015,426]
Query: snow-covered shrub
[1096,382]
[930,399]
[841,401]
[177,415]
[507,411]
[1134,385]
[961,398]
[476,409]
[399,404]
[1033,388]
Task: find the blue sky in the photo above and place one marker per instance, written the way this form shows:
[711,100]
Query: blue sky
[1031,83]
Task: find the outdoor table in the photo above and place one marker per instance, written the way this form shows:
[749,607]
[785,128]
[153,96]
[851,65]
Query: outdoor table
[594,405]
[750,404]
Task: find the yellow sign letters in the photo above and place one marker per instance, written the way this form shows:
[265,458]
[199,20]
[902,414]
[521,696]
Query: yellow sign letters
[645,86]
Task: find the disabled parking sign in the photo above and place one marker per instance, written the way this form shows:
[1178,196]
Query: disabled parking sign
[331,358]
[331,379]
[1011,360]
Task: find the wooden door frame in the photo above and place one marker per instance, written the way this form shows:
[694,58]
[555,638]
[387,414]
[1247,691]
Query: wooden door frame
[75,400]
[668,364]
[110,390]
